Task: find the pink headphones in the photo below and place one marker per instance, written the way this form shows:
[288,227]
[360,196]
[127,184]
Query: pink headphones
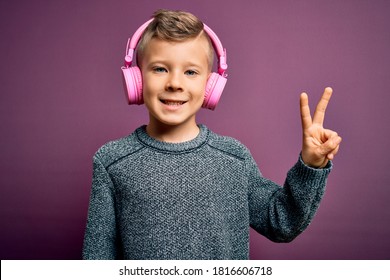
[133,78]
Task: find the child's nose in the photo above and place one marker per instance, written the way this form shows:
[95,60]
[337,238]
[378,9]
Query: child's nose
[174,83]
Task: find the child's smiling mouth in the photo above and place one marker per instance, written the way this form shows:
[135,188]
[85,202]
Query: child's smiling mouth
[170,102]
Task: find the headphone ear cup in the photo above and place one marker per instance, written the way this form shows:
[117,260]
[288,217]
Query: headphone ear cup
[132,82]
[214,87]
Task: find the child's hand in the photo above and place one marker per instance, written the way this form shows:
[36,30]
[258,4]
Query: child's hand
[319,145]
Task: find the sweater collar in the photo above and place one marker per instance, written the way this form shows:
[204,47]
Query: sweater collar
[198,141]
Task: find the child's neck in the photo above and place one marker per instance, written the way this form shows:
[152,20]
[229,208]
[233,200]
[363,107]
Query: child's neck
[172,133]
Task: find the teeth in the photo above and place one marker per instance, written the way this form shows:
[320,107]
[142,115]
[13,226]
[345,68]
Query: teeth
[173,103]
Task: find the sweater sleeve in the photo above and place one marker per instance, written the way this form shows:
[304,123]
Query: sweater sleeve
[282,213]
[100,240]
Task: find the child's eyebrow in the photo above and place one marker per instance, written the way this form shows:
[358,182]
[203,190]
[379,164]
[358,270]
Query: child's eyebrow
[157,61]
[197,65]
[169,63]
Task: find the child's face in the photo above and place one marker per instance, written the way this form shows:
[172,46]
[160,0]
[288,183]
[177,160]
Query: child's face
[174,78]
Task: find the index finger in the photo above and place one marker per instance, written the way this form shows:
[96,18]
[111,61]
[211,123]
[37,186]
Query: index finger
[319,114]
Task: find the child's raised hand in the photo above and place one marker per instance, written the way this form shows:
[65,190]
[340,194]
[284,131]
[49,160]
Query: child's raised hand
[319,145]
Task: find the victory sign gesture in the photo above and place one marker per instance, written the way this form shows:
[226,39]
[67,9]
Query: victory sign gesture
[319,145]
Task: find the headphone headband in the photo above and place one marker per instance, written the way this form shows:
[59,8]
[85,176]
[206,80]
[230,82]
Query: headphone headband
[221,52]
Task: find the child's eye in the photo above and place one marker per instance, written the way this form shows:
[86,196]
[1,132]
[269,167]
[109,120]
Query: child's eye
[191,72]
[159,69]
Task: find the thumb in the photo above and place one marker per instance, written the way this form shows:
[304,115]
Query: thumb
[331,144]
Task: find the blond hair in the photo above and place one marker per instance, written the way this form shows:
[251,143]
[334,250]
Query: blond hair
[173,26]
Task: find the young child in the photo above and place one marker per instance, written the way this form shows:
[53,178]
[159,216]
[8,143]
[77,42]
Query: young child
[174,189]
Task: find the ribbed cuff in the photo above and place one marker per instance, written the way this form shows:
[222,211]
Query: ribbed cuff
[307,174]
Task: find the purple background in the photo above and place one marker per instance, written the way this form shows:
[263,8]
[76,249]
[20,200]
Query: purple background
[61,98]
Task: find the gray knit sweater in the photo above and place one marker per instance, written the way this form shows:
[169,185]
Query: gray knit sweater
[191,200]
